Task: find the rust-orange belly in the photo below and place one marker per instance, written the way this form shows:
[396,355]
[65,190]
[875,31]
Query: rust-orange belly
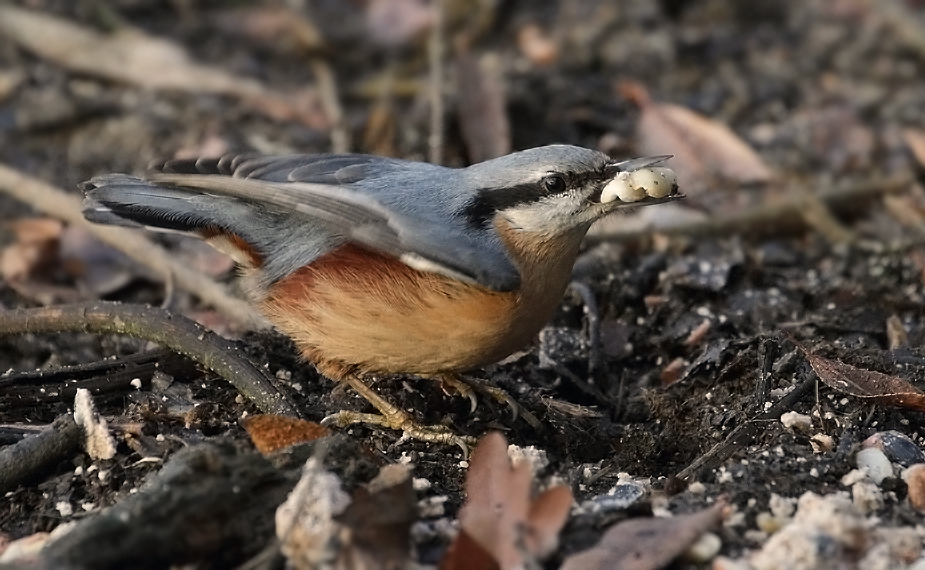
[357,311]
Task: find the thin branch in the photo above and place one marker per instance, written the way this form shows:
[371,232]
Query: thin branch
[62,205]
[156,325]
[436,49]
[330,100]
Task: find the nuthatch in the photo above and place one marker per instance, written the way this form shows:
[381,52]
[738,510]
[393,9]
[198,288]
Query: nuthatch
[377,265]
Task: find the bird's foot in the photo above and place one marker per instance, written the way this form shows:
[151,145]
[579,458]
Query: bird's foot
[468,387]
[395,418]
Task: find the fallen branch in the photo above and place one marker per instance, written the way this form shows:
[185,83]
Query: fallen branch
[34,454]
[157,325]
[64,206]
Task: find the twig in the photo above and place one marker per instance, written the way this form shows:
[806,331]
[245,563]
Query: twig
[436,49]
[765,216]
[32,455]
[327,88]
[594,322]
[109,375]
[54,202]
[157,325]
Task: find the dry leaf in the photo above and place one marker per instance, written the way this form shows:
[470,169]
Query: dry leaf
[536,45]
[482,106]
[308,533]
[881,388]
[703,149]
[466,554]
[396,22]
[319,526]
[34,249]
[379,518]
[646,544]
[271,432]
[548,514]
[915,140]
[277,26]
[498,514]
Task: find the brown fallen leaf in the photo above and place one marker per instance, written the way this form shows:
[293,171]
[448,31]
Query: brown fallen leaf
[271,432]
[397,22]
[536,45]
[915,140]
[277,26]
[881,388]
[646,544]
[705,151]
[499,516]
[320,526]
[379,517]
[466,554]
[35,248]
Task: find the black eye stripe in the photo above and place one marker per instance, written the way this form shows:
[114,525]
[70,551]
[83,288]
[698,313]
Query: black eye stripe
[489,200]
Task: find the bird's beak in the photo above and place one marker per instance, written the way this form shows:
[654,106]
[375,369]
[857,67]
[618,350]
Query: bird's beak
[635,164]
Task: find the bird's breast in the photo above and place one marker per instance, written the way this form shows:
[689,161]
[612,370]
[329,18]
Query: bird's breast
[354,310]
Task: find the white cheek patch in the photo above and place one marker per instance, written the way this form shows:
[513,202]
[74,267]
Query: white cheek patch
[652,182]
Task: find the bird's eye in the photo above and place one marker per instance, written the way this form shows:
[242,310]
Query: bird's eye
[554,183]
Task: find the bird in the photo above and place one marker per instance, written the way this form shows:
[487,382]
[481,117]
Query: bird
[381,266]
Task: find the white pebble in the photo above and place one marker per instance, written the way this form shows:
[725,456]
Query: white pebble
[705,549]
[797,422]
[875,463]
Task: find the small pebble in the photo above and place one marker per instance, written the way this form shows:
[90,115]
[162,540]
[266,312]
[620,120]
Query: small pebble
[875,463]
[797,422]
[915,480]
[768,523]
[822,443]
[867,497]
[897,446]
[704,549]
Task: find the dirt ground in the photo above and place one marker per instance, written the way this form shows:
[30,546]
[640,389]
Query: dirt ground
[798,130]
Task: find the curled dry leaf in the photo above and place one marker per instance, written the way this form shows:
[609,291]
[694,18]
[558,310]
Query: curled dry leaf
[646,544]
[704,150]
[35,247]
[881,388]
[499,516]
[271,432]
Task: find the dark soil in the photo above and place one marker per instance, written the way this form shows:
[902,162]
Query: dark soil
[822,90]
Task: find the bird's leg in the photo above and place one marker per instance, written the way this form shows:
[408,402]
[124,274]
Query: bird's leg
[394,418]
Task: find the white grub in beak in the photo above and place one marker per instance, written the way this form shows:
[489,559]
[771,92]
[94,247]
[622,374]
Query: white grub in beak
[653,182]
